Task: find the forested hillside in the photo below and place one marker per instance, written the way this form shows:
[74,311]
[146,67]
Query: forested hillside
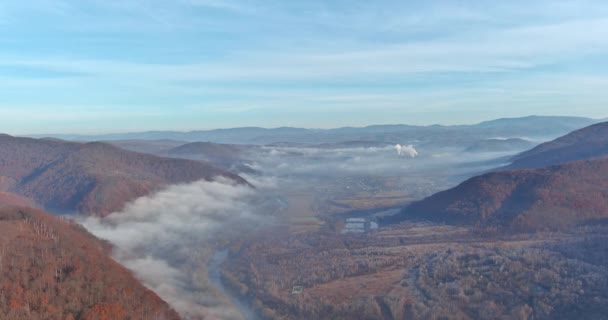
[91,178]
[53,269]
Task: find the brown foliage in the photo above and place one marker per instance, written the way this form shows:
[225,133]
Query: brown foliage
[94,177]
[555,197]
[581,144]
[414,271]
[51,268]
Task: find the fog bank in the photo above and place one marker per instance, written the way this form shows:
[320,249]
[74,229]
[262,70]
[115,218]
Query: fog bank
[159,236]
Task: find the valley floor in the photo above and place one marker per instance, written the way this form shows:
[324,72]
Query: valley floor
[424,271]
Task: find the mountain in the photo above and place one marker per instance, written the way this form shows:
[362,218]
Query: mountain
[231,135]
[533,126]
[92,178]
[8,199]
[554,197]
[51,268]
[555,192]
[156,147]
[230,157]
[585,143]
[538,125]
[353,144]
[499,145]
[219,152]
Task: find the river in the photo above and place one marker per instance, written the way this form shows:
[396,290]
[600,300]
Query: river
[215,276]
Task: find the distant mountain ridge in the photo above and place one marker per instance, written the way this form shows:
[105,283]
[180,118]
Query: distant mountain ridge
[526,126]
[91,178]
[537,121]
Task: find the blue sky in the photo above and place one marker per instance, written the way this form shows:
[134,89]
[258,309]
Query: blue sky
[98,66]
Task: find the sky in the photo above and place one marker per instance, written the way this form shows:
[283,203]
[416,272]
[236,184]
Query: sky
[101,66]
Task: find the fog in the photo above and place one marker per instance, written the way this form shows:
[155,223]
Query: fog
[400,160]
[167,238]
[159,237]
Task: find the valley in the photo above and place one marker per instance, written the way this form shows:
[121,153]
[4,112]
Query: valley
[351,230]
[303,160]
[427,268]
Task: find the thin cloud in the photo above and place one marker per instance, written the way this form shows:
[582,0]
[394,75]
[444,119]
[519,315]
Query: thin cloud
[511,49]
[228,5]
[320,56]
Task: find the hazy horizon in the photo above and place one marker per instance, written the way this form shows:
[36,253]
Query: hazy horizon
[182,130]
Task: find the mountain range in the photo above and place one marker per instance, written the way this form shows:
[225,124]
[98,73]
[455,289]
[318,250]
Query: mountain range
[532,126]
[584,143]
[561,193]
[53,269]
[91,178]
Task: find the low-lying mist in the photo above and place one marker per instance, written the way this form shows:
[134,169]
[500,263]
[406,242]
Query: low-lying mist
[396,160]
[166,238]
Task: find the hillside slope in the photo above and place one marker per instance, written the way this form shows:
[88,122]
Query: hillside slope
[53,269]
[156,147]
[92,178]
[499,145]
[553,197]
[585,143]
[212,151]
